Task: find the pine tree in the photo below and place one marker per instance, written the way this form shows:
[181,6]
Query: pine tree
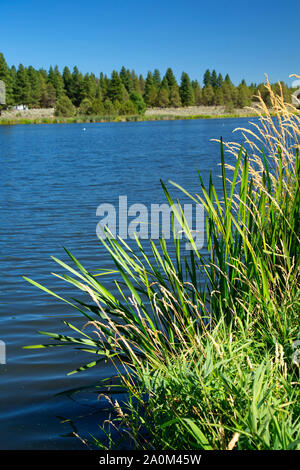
[4,70]
[116,88]
[126,78]
[41,88]
[214,79]
[88,87]
[98,90]
[197,93]
[226,90]
[75,88]
[208,95]
[207,78]
[36,86]
[10,98]
[48,96]
[218,98]
[67,78]
[142,83]
[57,81]
[227,80]
[242,96]
[174,96]
[220,80]
[6,77]
[171,78]
[123,75]
[44,75]
[156,78]
[242,99]
[150,95]
[136,86]
[230,92]
[104,84]
[22,86]
[234,95]
[186,90]
[162,100]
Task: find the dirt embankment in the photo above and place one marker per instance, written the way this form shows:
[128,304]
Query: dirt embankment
[196,111]
[28,113]
[48,113]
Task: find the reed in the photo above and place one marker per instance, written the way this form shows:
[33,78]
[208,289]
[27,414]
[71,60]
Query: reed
[205,341]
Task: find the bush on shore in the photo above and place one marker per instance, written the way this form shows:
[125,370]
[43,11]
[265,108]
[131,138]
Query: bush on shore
[64,107]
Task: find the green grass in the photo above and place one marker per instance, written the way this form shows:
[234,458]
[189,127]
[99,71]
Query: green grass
[206,365]
[231,387]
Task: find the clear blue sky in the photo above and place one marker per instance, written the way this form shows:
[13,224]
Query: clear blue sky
[244,38]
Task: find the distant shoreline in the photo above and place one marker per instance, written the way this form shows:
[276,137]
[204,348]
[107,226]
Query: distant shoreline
[46,116]
[103,119]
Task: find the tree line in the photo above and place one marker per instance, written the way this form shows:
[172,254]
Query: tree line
[124,92]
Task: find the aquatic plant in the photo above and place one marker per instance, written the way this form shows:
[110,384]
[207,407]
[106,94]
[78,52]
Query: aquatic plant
[203,343]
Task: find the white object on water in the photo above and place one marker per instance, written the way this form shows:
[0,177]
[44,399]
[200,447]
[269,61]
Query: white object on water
[84,129]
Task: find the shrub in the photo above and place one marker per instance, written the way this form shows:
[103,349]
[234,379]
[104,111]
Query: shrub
[229,107]
[97,107]
[85,107]
[127,108]
[109,108]
[138,102]
[64,107]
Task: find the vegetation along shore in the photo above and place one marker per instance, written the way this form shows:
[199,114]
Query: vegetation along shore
[49,96]
[127,118]
[205,344]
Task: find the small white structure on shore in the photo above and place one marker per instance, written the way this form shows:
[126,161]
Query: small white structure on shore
[21,107]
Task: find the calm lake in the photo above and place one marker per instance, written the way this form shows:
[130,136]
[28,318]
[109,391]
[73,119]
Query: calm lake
[53,179]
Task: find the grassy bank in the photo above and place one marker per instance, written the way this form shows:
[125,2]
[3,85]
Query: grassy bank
[135,118]
[205,344]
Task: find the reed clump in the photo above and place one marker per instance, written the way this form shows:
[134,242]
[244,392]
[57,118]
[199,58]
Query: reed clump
[205,344]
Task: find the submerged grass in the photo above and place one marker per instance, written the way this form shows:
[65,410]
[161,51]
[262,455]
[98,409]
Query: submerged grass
[213,364]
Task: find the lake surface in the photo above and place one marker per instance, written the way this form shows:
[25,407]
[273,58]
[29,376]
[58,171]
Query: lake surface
[53,178]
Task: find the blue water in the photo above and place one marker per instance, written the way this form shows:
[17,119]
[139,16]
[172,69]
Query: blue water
[53,177]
